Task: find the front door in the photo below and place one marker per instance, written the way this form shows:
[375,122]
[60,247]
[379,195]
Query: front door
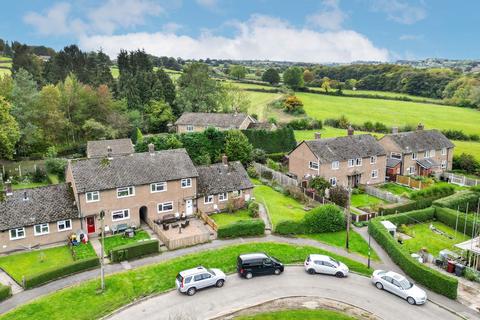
[90,224]
[188,207]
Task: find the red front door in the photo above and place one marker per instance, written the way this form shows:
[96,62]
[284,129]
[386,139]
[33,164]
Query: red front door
[90,224]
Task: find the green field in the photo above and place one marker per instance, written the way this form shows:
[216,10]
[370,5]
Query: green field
[468,147]
[298,315]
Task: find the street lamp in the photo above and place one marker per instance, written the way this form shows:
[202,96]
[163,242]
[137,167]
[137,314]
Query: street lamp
[102,254]
[369,236]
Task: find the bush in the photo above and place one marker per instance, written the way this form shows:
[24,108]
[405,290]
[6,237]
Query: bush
[134,250]
[58,272]
[459,201]
[433,192]
[267,175]
[305,124]
[327,218]
[319,184]
[277,157]
[56,166]
[242,228]
[253,208]
[339,196]
[466,162]
[472,275]
[39,175]
[259,155]
[290,227]
[5,292]
[273,165]
[252,172]
[293,105]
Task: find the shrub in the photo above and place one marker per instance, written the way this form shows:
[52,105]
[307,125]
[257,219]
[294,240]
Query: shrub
[40,278]
[319,184]
[277,157]
[433,192]
[259,155]
[459,201]
[39,175]
[5,292]
[242,228]
[472,275]
[56,166]
[273,165]
[305,124]
[466,162]
[327,218]
[267,175]
[252,172]
[134,250]
[290,227]
[292,104]
[339,196]
[253,208]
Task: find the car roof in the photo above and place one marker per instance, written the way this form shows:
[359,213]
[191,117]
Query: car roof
[251,256]
[395,275]
[321,257]
[190,272]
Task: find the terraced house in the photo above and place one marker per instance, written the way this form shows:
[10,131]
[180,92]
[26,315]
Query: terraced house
[420,152]
[344,161]
[199,121]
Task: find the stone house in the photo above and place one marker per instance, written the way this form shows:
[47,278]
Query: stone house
[104,148]
[199,121]
[420,152]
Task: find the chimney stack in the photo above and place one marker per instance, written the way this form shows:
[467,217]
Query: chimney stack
[394,130]
[151,148]
[420,126]
[109,153]
[318,135]
[350,130]
[225,160]
[8,188]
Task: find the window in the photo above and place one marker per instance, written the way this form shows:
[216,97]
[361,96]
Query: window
[186,183]
[351,162]
[125,192]
[333,181]
[41,229]
[18,233]
[198,277]
[426,154]
[444,151]
[444,164]
[165,206]
[374,174]
[223,196]
[64,225]
[432,153]
[414,156]
[313,165]
[189,128]
[158,187]
[396,155]
[208,199]
[93,196]
[120,214]
[358,162]
[411,170]
[335,165]
[373,159]
[236,193]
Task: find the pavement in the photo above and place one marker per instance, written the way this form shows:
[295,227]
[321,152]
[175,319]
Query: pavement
[240,294]
[6,280]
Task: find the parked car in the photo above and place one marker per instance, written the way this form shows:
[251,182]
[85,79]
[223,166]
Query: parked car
[318,263]
[191,280]
[256,264]
[399,285]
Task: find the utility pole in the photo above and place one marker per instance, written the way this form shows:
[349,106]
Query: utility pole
[349,216]
[102,255]
[369,247]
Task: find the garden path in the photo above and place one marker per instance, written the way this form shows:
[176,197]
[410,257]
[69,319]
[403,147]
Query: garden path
[5,279]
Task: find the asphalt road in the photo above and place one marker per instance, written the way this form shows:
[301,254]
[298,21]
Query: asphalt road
[240,293]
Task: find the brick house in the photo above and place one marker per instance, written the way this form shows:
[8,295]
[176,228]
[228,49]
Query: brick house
[199,121]
[350,160]
[221,183]
[420,152]
[38,216]
[104,148]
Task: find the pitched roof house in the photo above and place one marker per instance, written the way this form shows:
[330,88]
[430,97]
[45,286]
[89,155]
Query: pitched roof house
[199,121]
[109,148]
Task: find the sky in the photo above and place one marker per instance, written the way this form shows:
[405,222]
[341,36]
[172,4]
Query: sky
[319,31]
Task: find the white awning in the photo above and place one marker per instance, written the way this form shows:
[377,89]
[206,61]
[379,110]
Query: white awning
[472,245]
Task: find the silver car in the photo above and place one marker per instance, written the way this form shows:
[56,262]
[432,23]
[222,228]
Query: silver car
[319,263]
[191,280]
[398,285]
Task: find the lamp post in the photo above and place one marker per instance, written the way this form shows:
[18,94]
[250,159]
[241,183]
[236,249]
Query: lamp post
[349,216]
[102,255]
[369,247]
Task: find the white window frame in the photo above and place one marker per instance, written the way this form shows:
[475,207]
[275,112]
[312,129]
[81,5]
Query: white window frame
[374,174]
[335,165]
[351,163]
[123,211]
[411,170]
[396,155]
[236,193]
[222,196]
[358,162]
[444,151]
[61,223]
[154,187]
[92,196]
[432,153]
[184,183]
[162,204]
[208,199]
[444,164]
[190,128]
[313,165]
[426,154]
[333,181]
[17,237]
[130,189]
[373,159]
[42,232]
[414,156]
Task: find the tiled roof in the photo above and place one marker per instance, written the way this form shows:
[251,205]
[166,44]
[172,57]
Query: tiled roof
[220,120]
[420,140]
[98,148]
[344,148]
[427,163]
[43,205]
[132,170]
[392,162]
[217,178]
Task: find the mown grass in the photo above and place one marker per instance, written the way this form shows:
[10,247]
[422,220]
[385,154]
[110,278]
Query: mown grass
[298,315]
[123,288]
[397,189]
[365,200]
[119,240]
[468,147]
[224,219]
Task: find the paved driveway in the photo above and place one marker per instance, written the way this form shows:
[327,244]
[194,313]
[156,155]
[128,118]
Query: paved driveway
[240,293]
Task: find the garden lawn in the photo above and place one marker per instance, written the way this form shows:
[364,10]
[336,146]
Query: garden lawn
[298,315]
[423,237]
[280,207]
[84,251]
[397,189]
[126,287]
[224,219]
[33,262]
[365,200]
[29,185]
[119,240]
[356,244]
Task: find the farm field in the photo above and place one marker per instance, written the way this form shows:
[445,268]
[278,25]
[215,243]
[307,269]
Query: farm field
[468,147]
[259,105]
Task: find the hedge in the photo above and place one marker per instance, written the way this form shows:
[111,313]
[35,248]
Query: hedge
[449,217]
[433,192]
[58,272]
[242,228]
[280,140]
[134,250]
[290,227]
[277,156]
[424,275]
[5,292]
[406,207]
[458,201]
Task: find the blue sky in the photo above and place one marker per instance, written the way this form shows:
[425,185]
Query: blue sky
[300,30]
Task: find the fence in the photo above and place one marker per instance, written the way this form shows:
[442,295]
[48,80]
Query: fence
[208,220]
[20,168]
[411,182]
[461,180]
[384,195]
[279,177]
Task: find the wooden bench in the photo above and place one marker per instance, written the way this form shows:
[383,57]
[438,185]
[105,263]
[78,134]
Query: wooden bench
[119,228]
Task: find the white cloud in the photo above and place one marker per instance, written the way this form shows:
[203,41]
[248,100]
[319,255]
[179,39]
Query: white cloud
[171,27]
[211,4]
[411,37]
[52,22]
[331,17]
[400,11]
[261,37]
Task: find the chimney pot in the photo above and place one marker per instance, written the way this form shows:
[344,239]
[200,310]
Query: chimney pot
[394,130]
[420,126]
[318,135]
[151,148]
[225,160]
[8,188]
[350,130]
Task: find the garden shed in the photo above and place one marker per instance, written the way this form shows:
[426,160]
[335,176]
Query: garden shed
[390,227]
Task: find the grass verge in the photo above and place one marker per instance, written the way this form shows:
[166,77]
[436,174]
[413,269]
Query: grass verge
[298,315]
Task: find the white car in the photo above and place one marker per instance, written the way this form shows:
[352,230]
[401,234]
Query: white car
[191,280]
[399,285]
[317,263]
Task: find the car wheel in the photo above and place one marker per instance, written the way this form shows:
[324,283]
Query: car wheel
[379,285]
[411,301]
[277,272]
[339,274]
[311,271]
[220,283]
[249,275]
[191,291]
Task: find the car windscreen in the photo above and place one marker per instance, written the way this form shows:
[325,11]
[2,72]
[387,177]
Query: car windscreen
[179,278]
[405,284]
[211,272]
[335,262]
